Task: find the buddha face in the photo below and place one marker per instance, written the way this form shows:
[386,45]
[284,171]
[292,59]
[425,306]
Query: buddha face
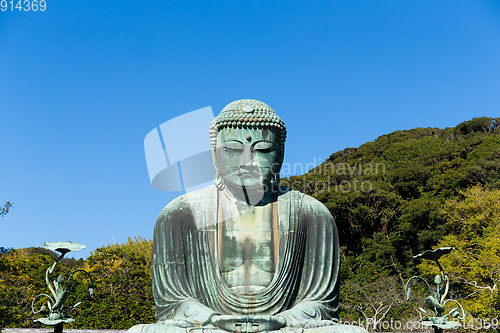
[248,157]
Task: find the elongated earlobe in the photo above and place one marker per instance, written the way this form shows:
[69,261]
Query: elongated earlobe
[218,179]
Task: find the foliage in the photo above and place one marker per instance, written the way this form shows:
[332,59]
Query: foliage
[474,267]
[5,208]
[387,196]
[369,302]
[22,277]
[123,290]
[122,277]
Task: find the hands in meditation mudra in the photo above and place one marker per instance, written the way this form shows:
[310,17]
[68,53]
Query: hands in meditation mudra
[245,254]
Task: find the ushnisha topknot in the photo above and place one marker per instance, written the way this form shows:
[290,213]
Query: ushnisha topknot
[247,113]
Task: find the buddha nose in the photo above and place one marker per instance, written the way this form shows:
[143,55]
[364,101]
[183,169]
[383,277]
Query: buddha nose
[247,156]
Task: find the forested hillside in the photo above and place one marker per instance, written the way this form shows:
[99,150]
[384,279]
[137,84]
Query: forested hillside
[387,196]
[406,192]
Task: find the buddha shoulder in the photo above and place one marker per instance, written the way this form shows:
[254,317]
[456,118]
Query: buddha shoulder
[306,201]
[309,206]
[190,202]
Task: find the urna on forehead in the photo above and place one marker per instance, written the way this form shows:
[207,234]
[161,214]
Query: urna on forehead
[247,113]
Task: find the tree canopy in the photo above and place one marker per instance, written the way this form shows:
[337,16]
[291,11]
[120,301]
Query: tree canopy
[474,265]
[387,196]
[5,208]
[407,192]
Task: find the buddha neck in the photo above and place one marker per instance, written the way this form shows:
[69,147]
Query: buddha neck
[251,196]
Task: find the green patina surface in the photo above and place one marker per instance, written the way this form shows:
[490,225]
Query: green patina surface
[245,254]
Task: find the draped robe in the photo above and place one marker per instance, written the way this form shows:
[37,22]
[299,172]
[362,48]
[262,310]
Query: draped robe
[188,286]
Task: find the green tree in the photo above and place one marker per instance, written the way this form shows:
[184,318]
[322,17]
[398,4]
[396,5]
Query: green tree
[408,176]
[122,276]
[123,290]
[5,208]
[474,267]
[22,277]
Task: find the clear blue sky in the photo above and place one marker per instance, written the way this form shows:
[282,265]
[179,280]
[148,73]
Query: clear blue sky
[82,83]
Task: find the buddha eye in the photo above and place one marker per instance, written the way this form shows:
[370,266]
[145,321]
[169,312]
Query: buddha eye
[264,147]
[233,148]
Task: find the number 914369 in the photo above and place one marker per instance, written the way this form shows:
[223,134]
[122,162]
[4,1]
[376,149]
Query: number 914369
[23,5]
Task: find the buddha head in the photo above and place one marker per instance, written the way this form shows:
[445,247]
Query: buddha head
[247,144]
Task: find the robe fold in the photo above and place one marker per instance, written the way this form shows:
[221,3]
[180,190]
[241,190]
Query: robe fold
[188,286]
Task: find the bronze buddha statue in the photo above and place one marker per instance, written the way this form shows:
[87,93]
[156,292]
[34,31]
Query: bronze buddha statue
[245,254]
